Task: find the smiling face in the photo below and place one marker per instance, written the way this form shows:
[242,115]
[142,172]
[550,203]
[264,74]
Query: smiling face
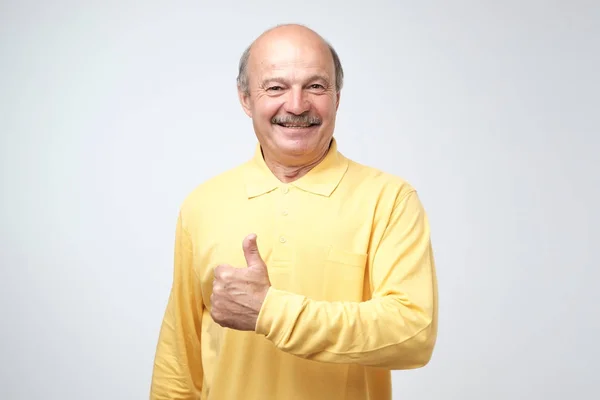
[292,97]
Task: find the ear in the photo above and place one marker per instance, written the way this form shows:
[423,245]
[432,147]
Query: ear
[245,101]
[337,100]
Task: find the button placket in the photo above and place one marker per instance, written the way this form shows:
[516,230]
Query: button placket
[284,201]
[284,212]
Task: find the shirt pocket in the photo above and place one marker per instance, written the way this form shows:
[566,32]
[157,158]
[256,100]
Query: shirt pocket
[344,274]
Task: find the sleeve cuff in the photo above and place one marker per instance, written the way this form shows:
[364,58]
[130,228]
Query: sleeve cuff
[278,313]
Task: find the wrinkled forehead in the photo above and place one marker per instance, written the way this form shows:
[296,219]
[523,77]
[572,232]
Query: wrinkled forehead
[293,59]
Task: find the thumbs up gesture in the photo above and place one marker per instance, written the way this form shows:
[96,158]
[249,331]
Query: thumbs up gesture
[238,293]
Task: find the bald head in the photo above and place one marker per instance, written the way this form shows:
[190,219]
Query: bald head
[287,36]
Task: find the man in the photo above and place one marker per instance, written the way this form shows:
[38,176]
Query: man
[299,274]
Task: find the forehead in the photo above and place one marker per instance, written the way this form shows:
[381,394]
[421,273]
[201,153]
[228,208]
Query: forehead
[297,57]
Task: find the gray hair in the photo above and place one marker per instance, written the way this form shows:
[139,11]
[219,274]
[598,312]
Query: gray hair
[242,78]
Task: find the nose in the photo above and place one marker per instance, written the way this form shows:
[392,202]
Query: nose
[296,102]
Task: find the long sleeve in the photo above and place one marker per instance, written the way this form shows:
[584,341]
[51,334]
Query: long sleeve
[395,329]
[178,373]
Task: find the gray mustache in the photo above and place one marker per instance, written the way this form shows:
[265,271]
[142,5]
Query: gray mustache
[296,120]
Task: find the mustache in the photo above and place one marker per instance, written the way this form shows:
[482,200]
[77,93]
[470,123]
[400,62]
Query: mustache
[296,119]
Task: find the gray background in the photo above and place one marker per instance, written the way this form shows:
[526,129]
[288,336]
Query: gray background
[112,111]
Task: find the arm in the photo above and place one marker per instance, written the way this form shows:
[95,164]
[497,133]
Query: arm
[395,329]
[177,373]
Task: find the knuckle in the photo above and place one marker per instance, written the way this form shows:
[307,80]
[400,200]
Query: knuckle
[217,289]
[214,298]
[221,272]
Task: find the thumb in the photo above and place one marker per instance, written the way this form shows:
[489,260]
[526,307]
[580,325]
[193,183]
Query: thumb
[251,253]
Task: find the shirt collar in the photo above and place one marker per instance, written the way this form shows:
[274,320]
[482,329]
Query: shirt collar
[321,180]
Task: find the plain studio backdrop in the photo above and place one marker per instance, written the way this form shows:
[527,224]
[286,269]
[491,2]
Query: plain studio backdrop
[111,112]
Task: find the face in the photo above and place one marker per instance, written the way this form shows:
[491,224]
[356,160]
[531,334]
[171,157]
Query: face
[292,100]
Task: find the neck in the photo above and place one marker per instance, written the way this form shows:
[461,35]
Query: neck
[288,173]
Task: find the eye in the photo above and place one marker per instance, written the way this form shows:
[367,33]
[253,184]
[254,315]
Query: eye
[317,86]
[274,88]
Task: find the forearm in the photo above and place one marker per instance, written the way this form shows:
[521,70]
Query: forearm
[388,332]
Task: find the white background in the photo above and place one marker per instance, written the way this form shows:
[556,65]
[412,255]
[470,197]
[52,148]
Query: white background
[111,112]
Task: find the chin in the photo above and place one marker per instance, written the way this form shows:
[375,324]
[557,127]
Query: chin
[296,140]
[295,147]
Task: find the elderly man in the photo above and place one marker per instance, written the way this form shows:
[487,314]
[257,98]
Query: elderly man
[299,274]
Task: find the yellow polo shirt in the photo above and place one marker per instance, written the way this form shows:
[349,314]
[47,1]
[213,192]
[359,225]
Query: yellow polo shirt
[353,296]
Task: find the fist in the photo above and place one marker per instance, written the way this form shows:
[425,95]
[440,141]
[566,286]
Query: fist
[238,293]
